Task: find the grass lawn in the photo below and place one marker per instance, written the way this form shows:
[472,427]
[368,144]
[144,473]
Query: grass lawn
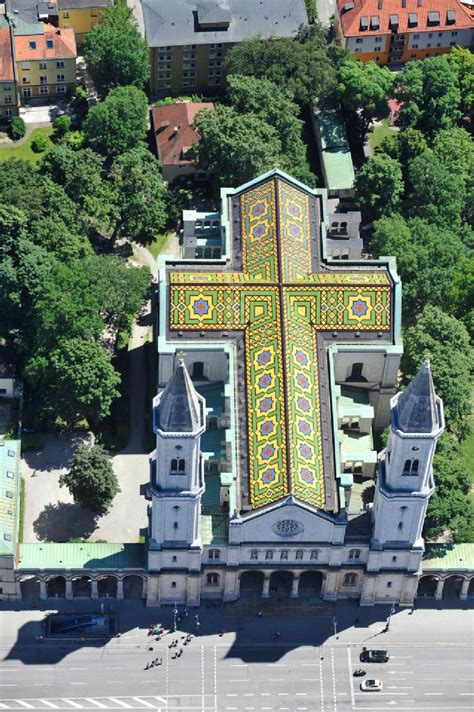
[378,133]
[156,246]
[23,151]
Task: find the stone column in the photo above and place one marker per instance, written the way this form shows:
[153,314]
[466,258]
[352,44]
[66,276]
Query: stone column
[119,589]
[439,589]
[295,586]
[69,594]
[144,589]
[43,590]
[266,584]
[464,589]
[94,589]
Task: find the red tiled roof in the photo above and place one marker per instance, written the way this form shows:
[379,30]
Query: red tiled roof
[64,45]
[351,26]
[6,61]
[173,130]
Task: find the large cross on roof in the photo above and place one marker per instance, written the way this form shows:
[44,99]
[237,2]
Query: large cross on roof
[283,301]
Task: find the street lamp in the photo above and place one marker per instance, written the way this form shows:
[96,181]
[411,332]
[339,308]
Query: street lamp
[175,614]
[334,623]
[392,611]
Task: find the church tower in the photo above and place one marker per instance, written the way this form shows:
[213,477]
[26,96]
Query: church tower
[405,472]
[176,488]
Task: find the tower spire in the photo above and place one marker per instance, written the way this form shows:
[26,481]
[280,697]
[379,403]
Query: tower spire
[179,409]
[417,409]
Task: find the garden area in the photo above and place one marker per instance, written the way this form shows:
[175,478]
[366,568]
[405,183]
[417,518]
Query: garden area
[24,150]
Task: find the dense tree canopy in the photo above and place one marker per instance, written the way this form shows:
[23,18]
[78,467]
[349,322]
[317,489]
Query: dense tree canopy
[461,60]
[115,52]
[379,186]
[437,192]
[426,259]
[118,123]
[235,147]
[445,342]
[461,299]
[364,86]
[429,93]
[302,65]
[91,479]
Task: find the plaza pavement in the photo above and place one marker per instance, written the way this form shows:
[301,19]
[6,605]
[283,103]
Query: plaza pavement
[308,668]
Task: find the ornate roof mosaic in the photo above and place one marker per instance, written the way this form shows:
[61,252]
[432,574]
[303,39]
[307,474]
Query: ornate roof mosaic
[283,300]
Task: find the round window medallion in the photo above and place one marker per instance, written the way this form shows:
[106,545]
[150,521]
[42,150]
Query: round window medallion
[288,527]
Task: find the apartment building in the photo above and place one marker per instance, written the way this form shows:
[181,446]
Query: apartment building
[8,90]
[45,58]
[188,40]
[81,15]
[396,31]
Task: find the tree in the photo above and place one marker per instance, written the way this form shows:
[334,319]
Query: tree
[449,508]
[234,147]
[302,64]
[379,186]
[455,150]
[62,124]
[461,60]
[461,299]
[139,196]
[445,342]
[91,478]
[115,52]
[365,87]
[73,381]
[437,193]
[427,256]
[118,122]
[428,91]
[274,105]
[17,128]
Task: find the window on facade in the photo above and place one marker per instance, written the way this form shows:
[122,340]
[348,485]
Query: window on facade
[314,554]
[411,467]
[212,579]
[43,79]
[198,369]
[178,466]
[7,537]
[10,475]
[32,44]
[66,14]
[173,584]
[400,526]
[359,40]
[356,372]
[26,93]
[43,65]
[350,579]
[60,64]
[394,559]
[59,77]
[174,559]
[214,554]
[283,554]
[11,453]
[9,494]
[354,554]
[454,34]
[269,554]
[254,554]
[8,100]
[389,584]
[299,554]
[26,80]
[49,44]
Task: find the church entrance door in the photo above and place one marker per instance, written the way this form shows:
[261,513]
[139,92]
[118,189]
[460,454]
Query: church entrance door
[280,584]
[251,584]
[311,583]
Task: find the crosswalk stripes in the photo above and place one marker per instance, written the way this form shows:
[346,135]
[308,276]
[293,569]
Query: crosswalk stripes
[85,703]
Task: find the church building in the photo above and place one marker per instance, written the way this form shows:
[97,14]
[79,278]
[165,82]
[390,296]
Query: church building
[278,370]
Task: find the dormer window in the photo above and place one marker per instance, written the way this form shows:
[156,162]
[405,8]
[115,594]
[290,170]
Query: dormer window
[32,44]
[374,22]
[49,44]
[393,22]
[412,19]
[433,18]
[364,23]
[451,17]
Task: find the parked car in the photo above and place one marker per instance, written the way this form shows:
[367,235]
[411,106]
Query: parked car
[371,686]
[374,656]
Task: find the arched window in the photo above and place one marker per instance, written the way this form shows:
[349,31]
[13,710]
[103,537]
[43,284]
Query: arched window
[354,554]
[254,554]
[284,554]
[411,467]
[350,579]
[174,466]
[299,554]
[177,467]
[314,554]
[198,369]
[269,554]
[343,228]
[181,466]
[212,579]
[356,373]
[214,554]
[400,526]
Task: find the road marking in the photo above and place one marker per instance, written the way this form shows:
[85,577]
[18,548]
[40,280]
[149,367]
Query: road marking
[234,679]
[9,670]
[274,665]
[50,704]
[285,694]
[244,666]
[434,693]
[215,678]
[303,694]
[321,681]
[349,662]
[465,694]
[95,702]
[248,694]
[333,680]
[25,704]
[120,702]
[8,684]
[78,683]
[231,694]
[143,702]
[74,668]
[71,702]
[399,687]
[274,679]
[310,665]
[203,689]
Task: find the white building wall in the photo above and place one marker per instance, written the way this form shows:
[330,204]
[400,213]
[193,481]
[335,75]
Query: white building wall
[440,38]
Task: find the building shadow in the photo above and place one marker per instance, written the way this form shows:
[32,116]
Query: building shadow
[72,520]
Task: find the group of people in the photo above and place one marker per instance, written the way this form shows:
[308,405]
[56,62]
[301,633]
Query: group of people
[176,654]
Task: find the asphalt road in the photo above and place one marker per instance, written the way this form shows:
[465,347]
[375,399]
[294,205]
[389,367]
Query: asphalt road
[206,677]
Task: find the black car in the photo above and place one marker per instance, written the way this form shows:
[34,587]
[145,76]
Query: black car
[374,656]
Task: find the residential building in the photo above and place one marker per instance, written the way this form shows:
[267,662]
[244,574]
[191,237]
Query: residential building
[175,136]
[188,39]
[81,15]
[8,87]
[45,58]
[396,31]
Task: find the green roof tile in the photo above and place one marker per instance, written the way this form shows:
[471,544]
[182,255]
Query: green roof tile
[449,556]
[81,556]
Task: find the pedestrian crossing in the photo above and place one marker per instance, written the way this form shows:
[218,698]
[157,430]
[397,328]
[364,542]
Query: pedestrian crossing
[154,702]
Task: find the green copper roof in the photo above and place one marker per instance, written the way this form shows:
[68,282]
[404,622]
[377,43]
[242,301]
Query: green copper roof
[336,155]
[81,556]
[9,494]
[448,556]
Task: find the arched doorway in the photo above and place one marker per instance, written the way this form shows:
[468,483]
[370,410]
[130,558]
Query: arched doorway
[311,583]
[251,584]
[427,587]
[470,590]
[56,587]
[452,587]
[81,587]
[133,587]
[107,587]
[30,588]
[280,584]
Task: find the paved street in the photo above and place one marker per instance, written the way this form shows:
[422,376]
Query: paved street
[430,668]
